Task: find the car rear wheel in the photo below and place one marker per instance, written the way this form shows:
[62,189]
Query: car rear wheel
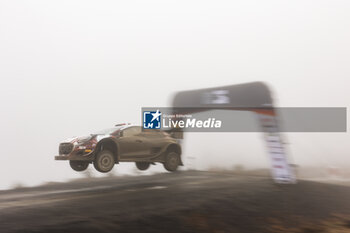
[142,165]
[78,166]
[104,161]
[172,162]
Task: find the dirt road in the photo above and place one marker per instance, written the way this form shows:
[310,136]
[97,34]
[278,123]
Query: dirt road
[179,202]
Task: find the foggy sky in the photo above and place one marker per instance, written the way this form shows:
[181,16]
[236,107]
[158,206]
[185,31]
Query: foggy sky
[69,68]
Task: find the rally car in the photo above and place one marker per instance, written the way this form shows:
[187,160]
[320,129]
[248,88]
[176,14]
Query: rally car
[122,143]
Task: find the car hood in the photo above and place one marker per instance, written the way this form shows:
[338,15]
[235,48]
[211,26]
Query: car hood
[85,138]
[78,139]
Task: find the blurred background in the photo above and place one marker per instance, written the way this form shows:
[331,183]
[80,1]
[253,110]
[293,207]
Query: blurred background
[69,68]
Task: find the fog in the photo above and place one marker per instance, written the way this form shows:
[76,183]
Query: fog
[69,68]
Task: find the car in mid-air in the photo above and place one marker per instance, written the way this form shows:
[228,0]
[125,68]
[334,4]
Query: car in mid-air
[122,143]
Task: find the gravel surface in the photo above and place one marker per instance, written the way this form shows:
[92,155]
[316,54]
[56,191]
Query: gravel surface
[178,202]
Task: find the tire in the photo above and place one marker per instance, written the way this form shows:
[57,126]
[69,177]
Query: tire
[78,166]
[142,165]
[104,161]
[172,161]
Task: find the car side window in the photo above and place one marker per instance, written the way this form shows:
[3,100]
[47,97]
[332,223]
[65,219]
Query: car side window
[132,131]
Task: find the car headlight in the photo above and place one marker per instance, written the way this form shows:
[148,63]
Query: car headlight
[82,141]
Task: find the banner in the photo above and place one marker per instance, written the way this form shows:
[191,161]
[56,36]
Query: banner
[281,170]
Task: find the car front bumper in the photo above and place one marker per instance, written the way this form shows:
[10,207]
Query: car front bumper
[87,157]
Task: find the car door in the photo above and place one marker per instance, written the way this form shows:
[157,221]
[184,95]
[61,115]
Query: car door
[153,141]
[131,143]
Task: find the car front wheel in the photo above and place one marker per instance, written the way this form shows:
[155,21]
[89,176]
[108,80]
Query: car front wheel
[172,161]
[78,166]
[104,161]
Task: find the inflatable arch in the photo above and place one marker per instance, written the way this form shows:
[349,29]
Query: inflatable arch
[254,97]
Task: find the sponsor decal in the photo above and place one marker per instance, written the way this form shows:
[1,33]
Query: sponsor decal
[216,97]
